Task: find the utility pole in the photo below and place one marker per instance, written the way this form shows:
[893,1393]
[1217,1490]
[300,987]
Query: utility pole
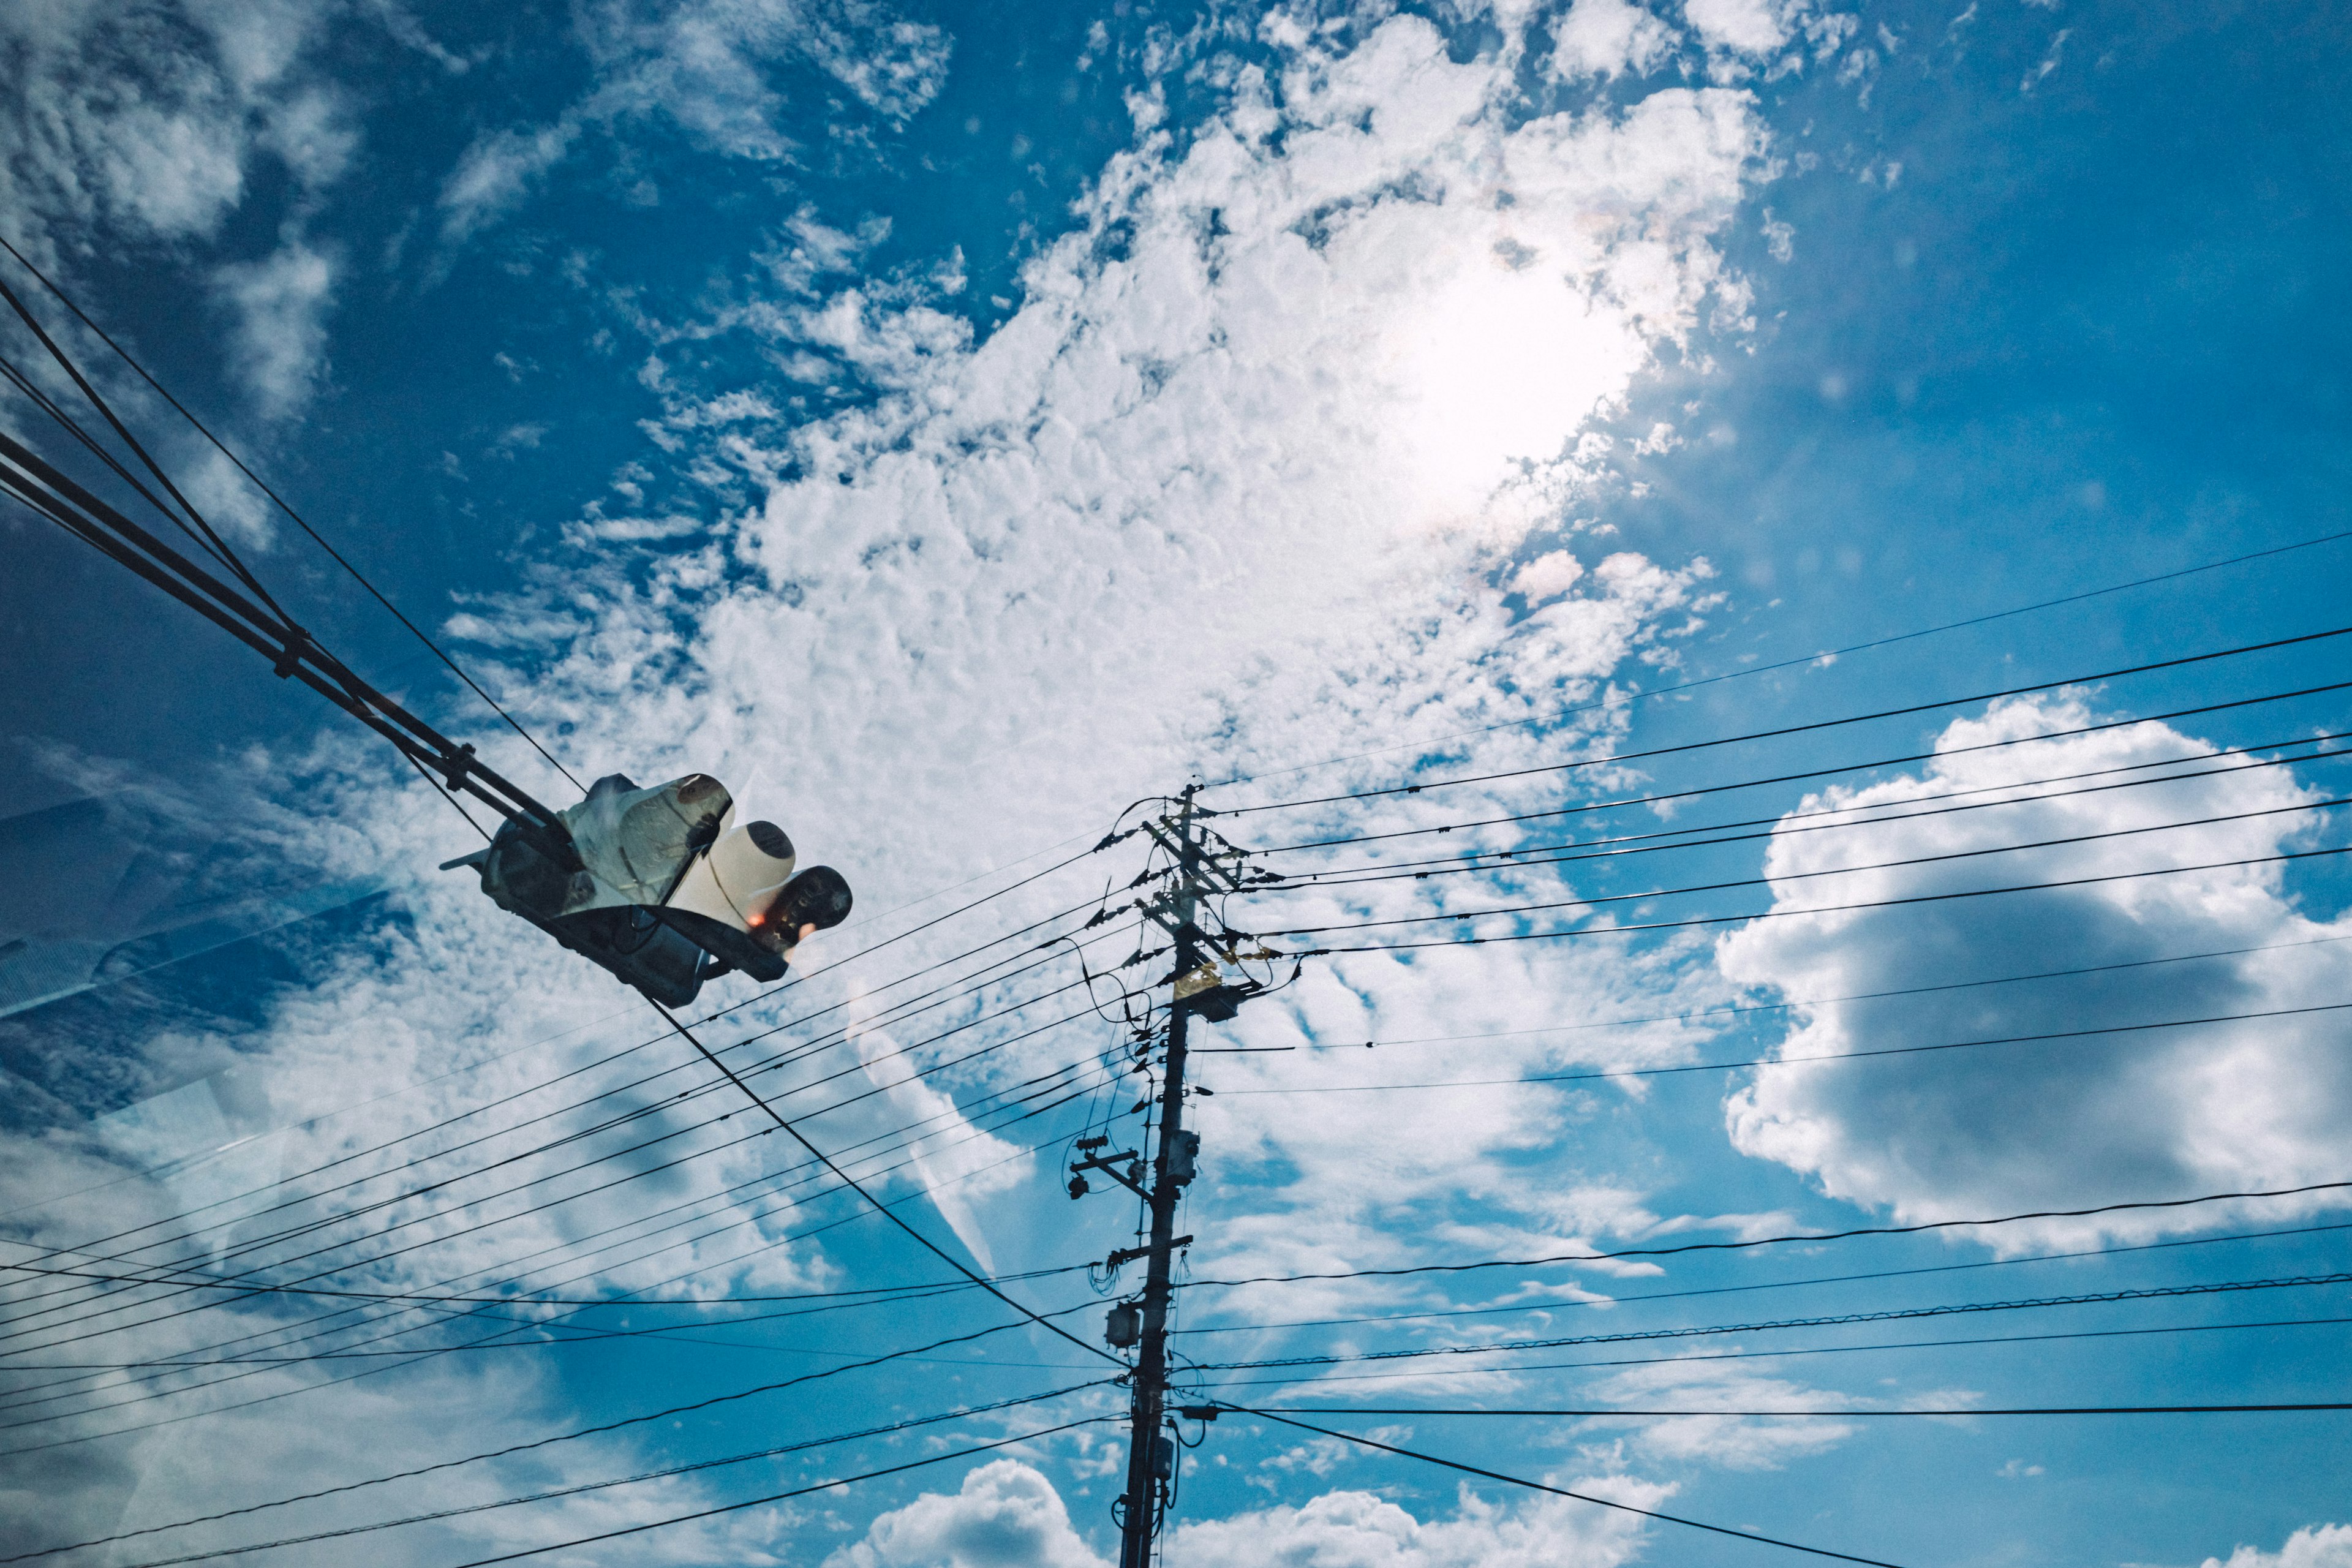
[1147,1469]
[1199,988]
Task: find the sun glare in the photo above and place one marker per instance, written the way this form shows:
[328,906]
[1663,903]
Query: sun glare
[1502,368]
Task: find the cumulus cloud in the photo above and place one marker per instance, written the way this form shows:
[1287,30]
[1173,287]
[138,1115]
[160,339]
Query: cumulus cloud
[128,127]
[1005,1515]
[1743,27]
[2314,1546]
[1286,401]
[2059,1124]
[1732,1442]
[708,67]
[1608,37]
[279,306]
[498,171]
[145,121]
[1233,486]
[1362,1530]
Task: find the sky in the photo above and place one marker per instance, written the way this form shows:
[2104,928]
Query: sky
[1741,476]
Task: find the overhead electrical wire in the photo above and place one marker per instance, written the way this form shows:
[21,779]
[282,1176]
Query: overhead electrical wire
[1634,1298]
[1789,825]
[1660,797]
[664,1473]
[1872,1053]
[1814,659]
[1691,1358]
[427,1352]
[1946,1412]
[639,1112]
[833,1484]
[294,653]
[1790,1239]
[502,1219]
[888,1017]
[779,1174]
[1785,730]
[616,1301]
[1630,928]
[1595,1501]
[792,1131]
[871,1298]
[1837,1320]
[298,520]
[614,1424]
[1041,1108]
[1734,1010]
[763,996]
[1776,878]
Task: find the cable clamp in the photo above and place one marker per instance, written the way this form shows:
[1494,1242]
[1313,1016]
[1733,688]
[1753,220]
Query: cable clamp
[289,658]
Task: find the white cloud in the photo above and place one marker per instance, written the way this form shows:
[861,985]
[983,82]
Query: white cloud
[1208,499]
[2062,1123]
[1362,1530]
[145,119]
[136,126]
[2048,65]
[708,67]
[1006,1515]
[278,344]
[496,171]
[1606,37]
[1548,575]
[1742,27]
[2314,1546]
[1734,1442]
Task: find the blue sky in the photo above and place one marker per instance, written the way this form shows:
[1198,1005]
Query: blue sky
[947,427]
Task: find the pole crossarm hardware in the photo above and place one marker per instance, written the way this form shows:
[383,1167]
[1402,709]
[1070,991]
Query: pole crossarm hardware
[1205,867]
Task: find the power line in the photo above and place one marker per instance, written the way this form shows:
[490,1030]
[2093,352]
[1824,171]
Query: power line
[1884,1315]
[765,994]
[618,1424]
[1791,1061]
[1810,658]
[1728,1010]
[377,1205]
[299,521]
[779,1241]
[850,1182]
[1659,797]
[666,1473]
[859,1146]
[1775,878]
[1785,730]
[876,1297]
[259,1363]
[1561,1492]
[1420,1374]
[2134,1205]
[782,1496]
[1630,928]
[1791,823]
[1874,1274]
[423,1355]
[1946,1412]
